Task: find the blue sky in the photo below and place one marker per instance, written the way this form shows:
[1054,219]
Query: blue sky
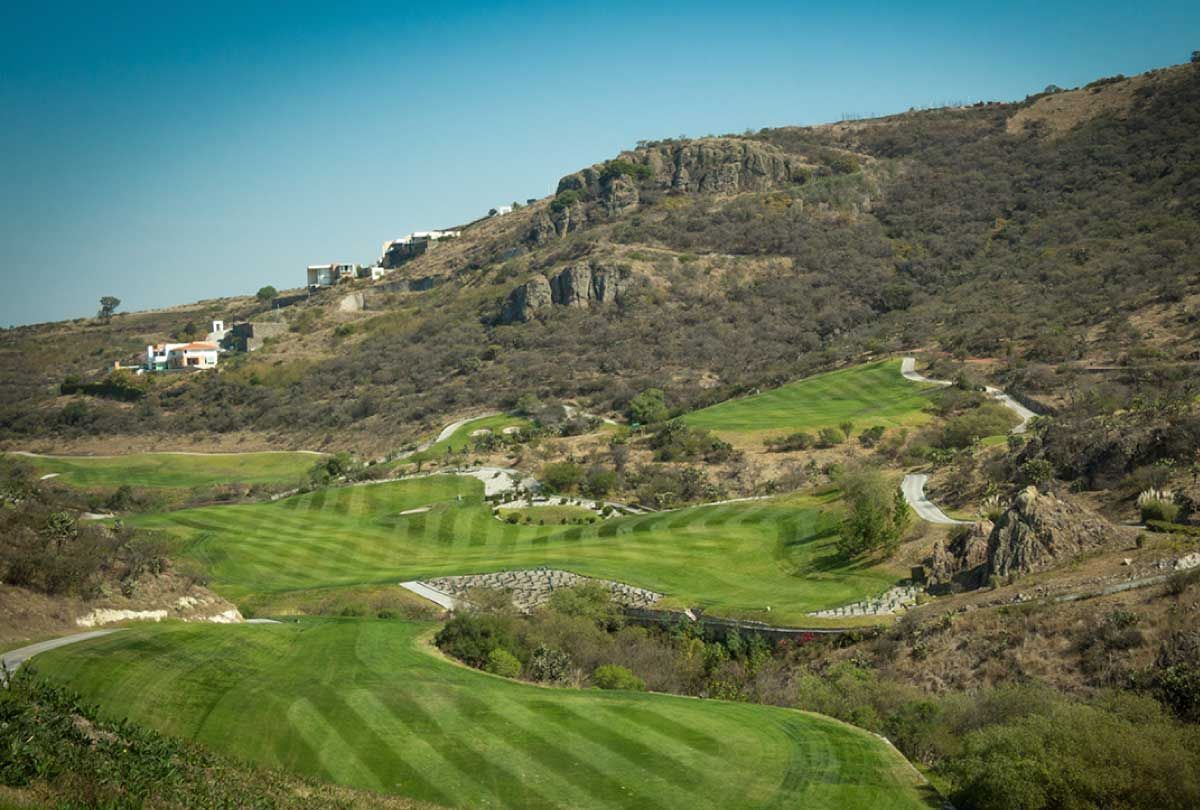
[164,156]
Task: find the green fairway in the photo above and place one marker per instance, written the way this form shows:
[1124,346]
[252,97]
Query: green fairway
[365,703]
[461,439]
[734,559]
[872,394]
[177,470]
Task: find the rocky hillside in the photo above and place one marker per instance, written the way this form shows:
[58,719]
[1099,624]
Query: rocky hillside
[1050,244]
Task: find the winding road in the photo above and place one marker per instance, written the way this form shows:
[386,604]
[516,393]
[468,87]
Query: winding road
[908,369]
[914,483]
[14,658]
[914,492]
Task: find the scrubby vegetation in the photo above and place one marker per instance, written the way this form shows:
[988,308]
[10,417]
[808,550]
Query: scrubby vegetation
[1011,746]
[45,547]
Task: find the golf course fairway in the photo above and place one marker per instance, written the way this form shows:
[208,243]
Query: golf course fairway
[176,470]
[772,560]
[867,395]
[367,703]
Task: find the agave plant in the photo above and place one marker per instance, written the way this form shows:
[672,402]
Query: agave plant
[1158,504]
[991,507]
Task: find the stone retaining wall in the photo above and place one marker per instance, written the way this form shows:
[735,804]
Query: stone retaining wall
[531,588]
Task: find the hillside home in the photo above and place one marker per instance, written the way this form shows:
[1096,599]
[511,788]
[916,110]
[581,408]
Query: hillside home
[398,251]
[173,356]
[326,275]
[374,273]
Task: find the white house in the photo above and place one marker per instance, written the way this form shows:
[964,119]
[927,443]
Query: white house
[164,356]
[192,355]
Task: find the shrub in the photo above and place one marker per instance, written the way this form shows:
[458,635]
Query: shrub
[1158,505]
[616,168]
[501,662]
[871,436]
[267,294]
[564,200]
[963,430]
[614,676]
[794,441]
[549,665]
[648,407]
[830,436]
[471,637]
[599,482]
[675,441]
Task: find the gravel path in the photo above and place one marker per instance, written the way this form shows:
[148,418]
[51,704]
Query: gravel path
[914,493]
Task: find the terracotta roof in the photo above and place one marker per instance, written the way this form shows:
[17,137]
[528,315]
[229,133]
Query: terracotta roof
[196,347]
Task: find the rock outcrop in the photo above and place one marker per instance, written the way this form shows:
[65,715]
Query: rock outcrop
[1037,532]
[707,166]
[580,285]
[524,302]
[964,559]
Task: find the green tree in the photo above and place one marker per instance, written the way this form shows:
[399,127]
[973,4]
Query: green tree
[528,404]
[876,512]
[267,294]
[648,407]
[108,305]
[562,476]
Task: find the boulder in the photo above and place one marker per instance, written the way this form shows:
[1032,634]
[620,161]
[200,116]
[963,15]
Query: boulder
[526,300]
[354,302]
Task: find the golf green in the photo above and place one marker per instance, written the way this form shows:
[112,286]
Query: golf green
[867,395]
[771,560]
[176,470]
[366,703]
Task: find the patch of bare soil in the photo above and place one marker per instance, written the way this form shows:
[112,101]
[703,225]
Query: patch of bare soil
[28,615]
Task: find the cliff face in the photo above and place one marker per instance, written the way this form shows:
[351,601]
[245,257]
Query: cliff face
[579,285]
[709,166]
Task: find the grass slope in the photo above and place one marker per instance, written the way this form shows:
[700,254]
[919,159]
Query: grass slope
[364,703]
[867,395]
[735,559]
[177,470]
